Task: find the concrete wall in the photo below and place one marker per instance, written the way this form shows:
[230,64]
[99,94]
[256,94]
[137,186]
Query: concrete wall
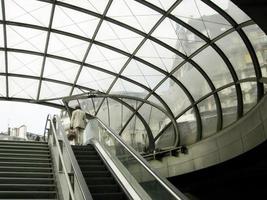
[245,134]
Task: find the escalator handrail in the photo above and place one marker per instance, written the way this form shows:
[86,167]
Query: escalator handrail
[163,181]
[75,166]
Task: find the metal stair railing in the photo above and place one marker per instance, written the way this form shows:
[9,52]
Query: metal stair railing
[67,163]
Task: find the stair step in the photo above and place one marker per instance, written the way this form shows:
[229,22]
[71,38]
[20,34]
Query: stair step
[85,153]
[23,151]
[25,164]
[23,143]
[26,174]
[27,194]
[104,188]
[25,169]
[99,181]
[89,162]
[96,173]
[20,159]
[110,196]
[16,180]
[93,167]
[28,147]
[27,187]
[24,155]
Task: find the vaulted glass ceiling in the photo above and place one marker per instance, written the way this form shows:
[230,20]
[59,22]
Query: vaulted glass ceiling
[201,60]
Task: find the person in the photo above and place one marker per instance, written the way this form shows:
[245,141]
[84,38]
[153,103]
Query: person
[78,123]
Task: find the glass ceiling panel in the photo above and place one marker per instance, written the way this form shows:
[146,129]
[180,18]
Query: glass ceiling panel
[118,37]
[135,14]
[228,100]
[3,86]
[105,58]
[208,113]
[187,127]
[60,70]
[2,62]
[159,56]
[67,46]
[214,67]
[74,22]
[259,41]
[178,37]
[238,15]
[53,90]
[95,79]
[21,63]
[25,38]
[173,95]
[249,90]
[201,17]
[125,87]
[30,12]
[143,74]
[235,49]
[22,87]
[1,36]
[185,74]
[94,5]
[163,4]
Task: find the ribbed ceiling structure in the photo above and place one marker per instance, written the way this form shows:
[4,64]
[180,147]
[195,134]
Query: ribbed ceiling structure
[200,60]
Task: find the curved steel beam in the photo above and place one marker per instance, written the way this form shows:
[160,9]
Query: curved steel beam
[102,95]
[260,87]
[205,97]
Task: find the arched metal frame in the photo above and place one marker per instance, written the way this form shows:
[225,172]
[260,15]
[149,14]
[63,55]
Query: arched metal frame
[151,91]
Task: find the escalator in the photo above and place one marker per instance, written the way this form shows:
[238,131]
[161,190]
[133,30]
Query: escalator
[100,181]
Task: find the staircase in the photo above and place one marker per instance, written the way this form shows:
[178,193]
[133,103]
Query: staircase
[99,180]
[26,171]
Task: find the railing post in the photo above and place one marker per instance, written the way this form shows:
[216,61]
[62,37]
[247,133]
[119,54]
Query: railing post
[60,168]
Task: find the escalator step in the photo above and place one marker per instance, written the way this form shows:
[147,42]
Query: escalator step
[104,188]
[99,181]
[96,173]
[110,196]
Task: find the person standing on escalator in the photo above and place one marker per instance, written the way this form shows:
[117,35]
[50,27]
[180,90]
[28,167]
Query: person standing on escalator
[78,124]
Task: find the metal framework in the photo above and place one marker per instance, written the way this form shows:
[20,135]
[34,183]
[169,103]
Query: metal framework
[146,36]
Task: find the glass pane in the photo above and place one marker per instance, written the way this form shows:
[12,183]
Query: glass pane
[163,4]
[115,110]
[3,86]
[2,62]
[21,63]
[105,58]
[236,51]
[228,100]
[74,22]
[127,88]
[174,96]
[103,113]
[135,14]
[60,70]
[23,87]
[25,38]
[195,83]
[118,37]
[201,17]
[87,105]
[178,37]
[237,14]
[259,41]
[127,113]
[94,5]
[54,90]
[159,56]
[214,66]
[249,91]
[1,36]
[67,47]
[136,70]
[95,79]
[187,128]
[208,113]
[30,12]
